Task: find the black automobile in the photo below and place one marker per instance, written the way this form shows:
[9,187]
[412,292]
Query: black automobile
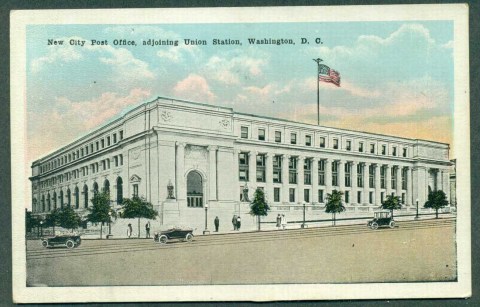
[381,218]
[69,241]
[175,232]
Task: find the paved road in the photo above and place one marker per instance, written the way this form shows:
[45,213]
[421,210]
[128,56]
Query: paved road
[414,251]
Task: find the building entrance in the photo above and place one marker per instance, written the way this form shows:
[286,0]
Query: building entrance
[194,189]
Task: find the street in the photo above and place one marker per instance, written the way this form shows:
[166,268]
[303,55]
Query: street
[414,251]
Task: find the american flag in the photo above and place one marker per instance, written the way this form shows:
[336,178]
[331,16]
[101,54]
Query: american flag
[326,74]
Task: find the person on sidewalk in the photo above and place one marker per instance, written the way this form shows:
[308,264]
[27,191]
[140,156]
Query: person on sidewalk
[234,222]
[279,221]
[147,230]
[217,223]
[284,222]
[129,230]
[239,222]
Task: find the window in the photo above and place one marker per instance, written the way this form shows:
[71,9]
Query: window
[261,134]
[348,169]
[320,196]
[404,154]
[276,195]
[277,169]
[371,176]
[359,197]
[97,145]
[243,166]
[114,138]
[121,159]
[360,170]
[293,138]
[108,141]
[335,173]
[349,145]
[278,137]
[103,143]
[370,197]
[291,195]
[394,151]
[244,132]
[121,135]
[335,143]
[382,177]
[347,196]
[382,197]
[86,150]
[322,142]
[372,148]
[404,178]
[360,147]
[321,172]
[292,170]
[307,171]
[394,177]
[403,198]
[308,140]
[135,190]
[91,147]
[306,195]
[384,149]
[261,168]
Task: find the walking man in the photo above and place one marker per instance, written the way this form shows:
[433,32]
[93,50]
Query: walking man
[239,222]
[129,230]
[234,222]
[217,223]
[147,230]
[279,221]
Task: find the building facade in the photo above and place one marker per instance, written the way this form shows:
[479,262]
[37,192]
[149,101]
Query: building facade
[213,155]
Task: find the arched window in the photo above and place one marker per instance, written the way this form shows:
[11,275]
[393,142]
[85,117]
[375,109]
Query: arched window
[85,196]
[69,197]
[194,189]
[119,190]
[77,198]
[61,199]
[95,188]
[106,186]
[54,198]
[48,202]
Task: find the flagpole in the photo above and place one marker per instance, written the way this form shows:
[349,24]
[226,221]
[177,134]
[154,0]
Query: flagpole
[318,60]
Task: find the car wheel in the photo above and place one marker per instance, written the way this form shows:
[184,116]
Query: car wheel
[189,237]
[70,244]
[45,243]
[392,224]
[374,226]
[163,239]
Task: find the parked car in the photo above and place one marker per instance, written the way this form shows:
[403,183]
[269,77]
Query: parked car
[69,241]
[381,218]
[172,233]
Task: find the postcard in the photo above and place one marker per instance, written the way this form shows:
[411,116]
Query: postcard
[240,154]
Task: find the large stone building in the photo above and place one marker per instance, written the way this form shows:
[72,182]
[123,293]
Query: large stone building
[210,154]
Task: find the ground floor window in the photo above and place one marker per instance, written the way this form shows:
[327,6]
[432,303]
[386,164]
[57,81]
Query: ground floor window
[276,195]
[292,195]
[370,198]
[382,197]
[306,195]
[320,196]
[135,190]
[403,198]
[347,197]
[359,197]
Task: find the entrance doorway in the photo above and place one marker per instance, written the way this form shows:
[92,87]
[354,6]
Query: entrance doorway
[194,189]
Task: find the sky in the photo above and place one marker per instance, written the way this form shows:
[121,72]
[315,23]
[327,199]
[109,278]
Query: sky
[396,77]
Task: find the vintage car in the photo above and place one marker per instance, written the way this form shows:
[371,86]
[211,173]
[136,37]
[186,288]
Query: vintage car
[172,233]
[69,241]
[381,218]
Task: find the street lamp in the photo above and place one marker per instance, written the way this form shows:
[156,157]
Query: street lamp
[206,231]
[303,224]
[41,228]
[416,216]
[109,224]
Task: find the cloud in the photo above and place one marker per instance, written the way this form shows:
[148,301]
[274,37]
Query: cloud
[56,54]
[194,87]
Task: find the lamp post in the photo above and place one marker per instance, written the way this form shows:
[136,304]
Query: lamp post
[41,228]
[416,216]
[303,224]
[206,231]
[109,224]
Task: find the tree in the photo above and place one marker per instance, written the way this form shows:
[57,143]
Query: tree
[100,209]
[137,207]
[334,204]
[436,200]
[68,218]
[53,219]
[391,203]
[259,206]
[31,221]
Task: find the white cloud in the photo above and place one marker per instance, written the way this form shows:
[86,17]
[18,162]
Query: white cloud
[194,87]
[64,53]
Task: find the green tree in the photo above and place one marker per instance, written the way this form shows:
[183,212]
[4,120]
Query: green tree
[391,203]
[137,207]
[334,204]
[259,206]
[436,200]
[100,209]
[31,221]
[68,218]
[53,219]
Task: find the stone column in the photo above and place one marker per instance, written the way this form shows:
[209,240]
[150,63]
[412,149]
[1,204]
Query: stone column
[366,176]
[180,186]
[354,182]
[212,172]
[269,176]
[285,160]
[341,175]
[378,187]
[252,167]
[300,179]
[328,177]
[236,174]
[419,183]
[399,182]
[314,180]
[446,183]
[410,200]
[388,180]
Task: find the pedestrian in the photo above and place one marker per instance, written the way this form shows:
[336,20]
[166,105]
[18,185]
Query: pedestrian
[129,230]
[217,223]
[234,222]
[239,222]
[284,221]
[147,230]
[279,221]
